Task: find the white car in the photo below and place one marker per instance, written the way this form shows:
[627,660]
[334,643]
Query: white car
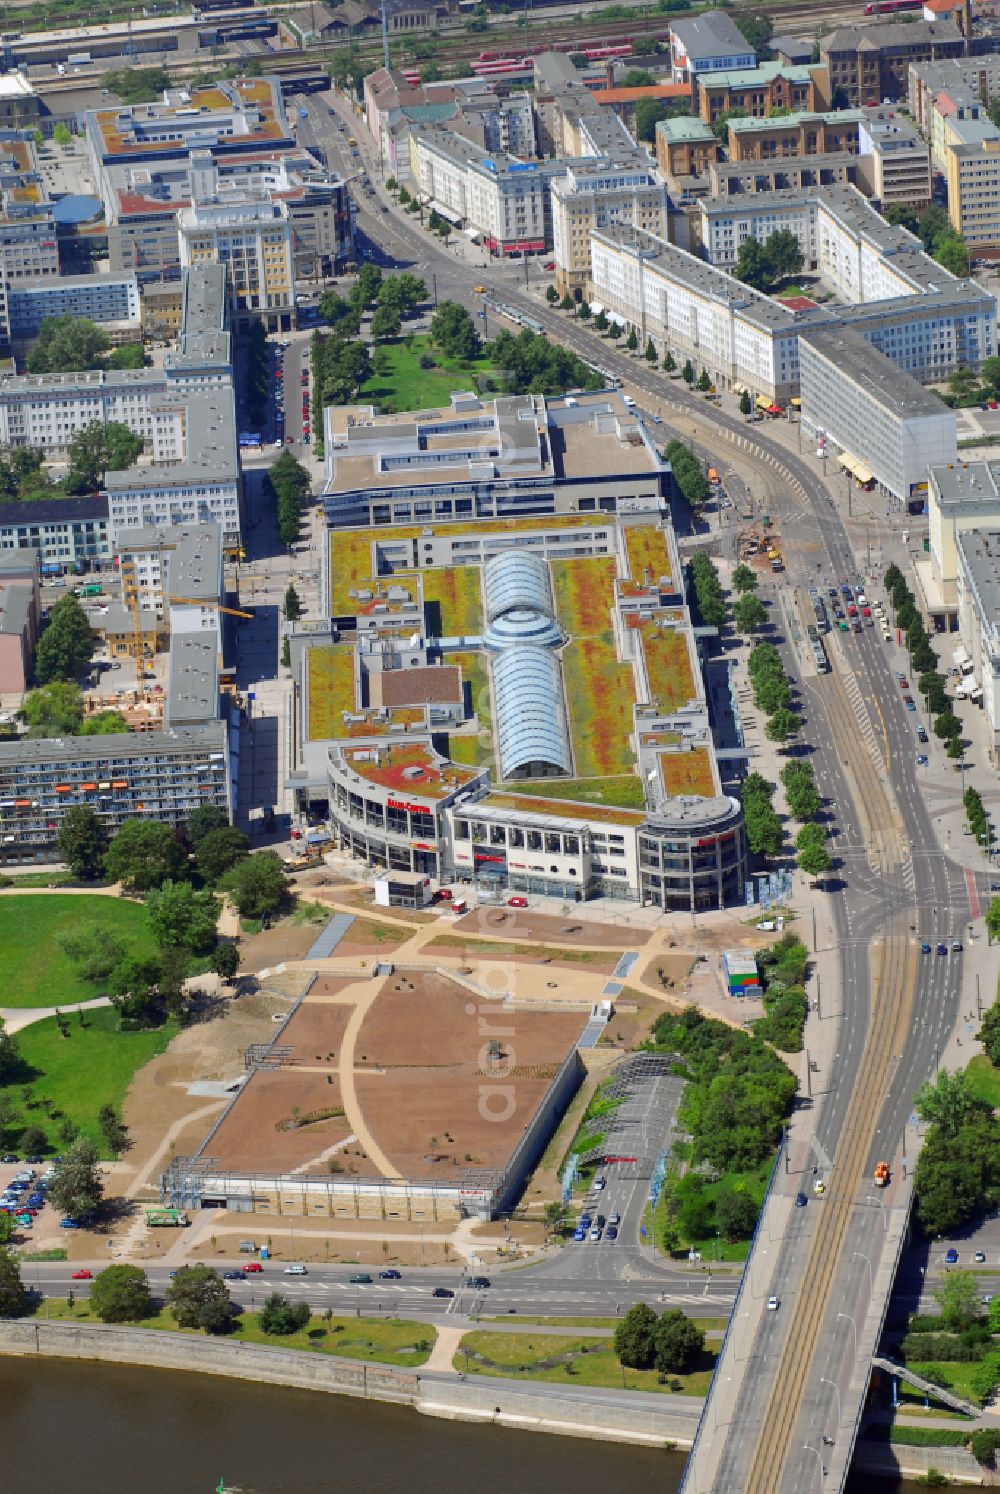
[296,1271]
[772,1304]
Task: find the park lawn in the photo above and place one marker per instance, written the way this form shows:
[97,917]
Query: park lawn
[80,1073]
[510,1355]
[622,792]
[407,386]
[34,971]
[958,1374]
[984,1080]
[376,1340]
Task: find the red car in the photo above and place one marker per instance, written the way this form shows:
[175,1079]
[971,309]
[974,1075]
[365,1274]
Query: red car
[549,264]
[444,894]
[517,902]
[253,1267]
[83,1275]
[904,683]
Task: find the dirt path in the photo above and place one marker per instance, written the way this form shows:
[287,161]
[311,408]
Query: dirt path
[348,1092]
[15,1018]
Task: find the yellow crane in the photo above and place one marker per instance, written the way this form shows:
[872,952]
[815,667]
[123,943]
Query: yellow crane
[130,596]
[215,606]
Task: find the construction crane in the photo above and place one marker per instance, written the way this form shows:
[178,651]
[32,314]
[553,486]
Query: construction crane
[130,596]
[215,606]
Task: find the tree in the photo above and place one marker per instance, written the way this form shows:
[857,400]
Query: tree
[225,961]
[901,215]
[120,1294]
[646,116]
[650,354]
[93,949]
[687,372]
[958,1299]
[721,122]
[76,1189]
[128,355]
[385,324]
[179,916]
[219,851]
[9,1057]
[554,1214]
[601,323]
[990,372]
[113,1130]
[67,344]
[993,918]
[454,331]
[551,295]
[81,841]
[813,857]
[53,710]
[103,724]
[757,29]
[783,725]
[280,1317]
[583,311]
[67,645]
[749,614]
[951,251]
[257,885]
[736,1214]
[984,1445]
[704,383]
[202,821]
[948,1102]
[13,1297]
[669,362]
[746,403]
[198,1298]
[97,449]
[632,341]
[752,265]
[744,579]
[293,605]
[634,1341]
[33,1141]
[784,254]
[933,222]
[947,726]
[678,1343]
[144,854]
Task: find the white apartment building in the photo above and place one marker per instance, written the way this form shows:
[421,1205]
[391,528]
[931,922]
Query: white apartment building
[978,588]
[101,298]
[505,200]
[593,197]
[253,239]
[874,412]
[726,223]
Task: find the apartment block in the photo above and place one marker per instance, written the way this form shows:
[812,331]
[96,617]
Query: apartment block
[709,43]
[67,533]
[978,593]
[976,77]
[795,174]
[896,164]
[28,246]
[761,90]
[149,776]
[112,300]
[505,200]
[589,197]
[19,619]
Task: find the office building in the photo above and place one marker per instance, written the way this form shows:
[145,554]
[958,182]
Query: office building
[869,64]
[112,300]
[795,174]
[888,428]
[798,134]
[764,89]
[685,148]
[28,247]
[516,455]
[253,240]
[896,165]
[709,43]
[67,533]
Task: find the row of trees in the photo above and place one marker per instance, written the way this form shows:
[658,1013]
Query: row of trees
[290,484]
[749,612]
[958,1171]
[761,820]
[393,297]
[690,477]
[530,362]
[978,819]
[783,969]
[772,693]
[256,374]
[454,332]
[923,662]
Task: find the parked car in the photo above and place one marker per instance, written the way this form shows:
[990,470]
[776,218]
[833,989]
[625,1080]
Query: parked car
[800,1200]
[517,902]
[579,1234]
[70,1224]
[951,1256]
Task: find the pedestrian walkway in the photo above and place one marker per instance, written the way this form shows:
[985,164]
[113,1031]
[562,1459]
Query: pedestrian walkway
[331,936]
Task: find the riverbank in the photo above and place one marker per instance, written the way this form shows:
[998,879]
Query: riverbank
[668,1423]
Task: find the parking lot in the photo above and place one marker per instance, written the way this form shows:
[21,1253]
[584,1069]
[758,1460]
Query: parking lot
[23,1188]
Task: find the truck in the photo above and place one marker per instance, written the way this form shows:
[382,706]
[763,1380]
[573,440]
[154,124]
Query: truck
[881,1174]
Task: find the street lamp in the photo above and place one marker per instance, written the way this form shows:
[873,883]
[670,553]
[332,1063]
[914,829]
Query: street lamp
[836,1390]
[871,1274]
[854,1325]
[819,1459]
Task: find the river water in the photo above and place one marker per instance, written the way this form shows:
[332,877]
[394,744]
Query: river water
[109,1429]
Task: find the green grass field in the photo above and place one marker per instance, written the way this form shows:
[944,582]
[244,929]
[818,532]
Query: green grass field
[591,1361]
[984,1079]
[74,1076]
[33,969]
[375,1340]
[407,386]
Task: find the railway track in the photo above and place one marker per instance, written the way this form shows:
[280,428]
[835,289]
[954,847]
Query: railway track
[893,971]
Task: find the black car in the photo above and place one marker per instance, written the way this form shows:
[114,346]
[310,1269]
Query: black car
[442,1292]
[479,1282]
[800,1200]
[8,1157]
[390,1276]
[233,1276]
